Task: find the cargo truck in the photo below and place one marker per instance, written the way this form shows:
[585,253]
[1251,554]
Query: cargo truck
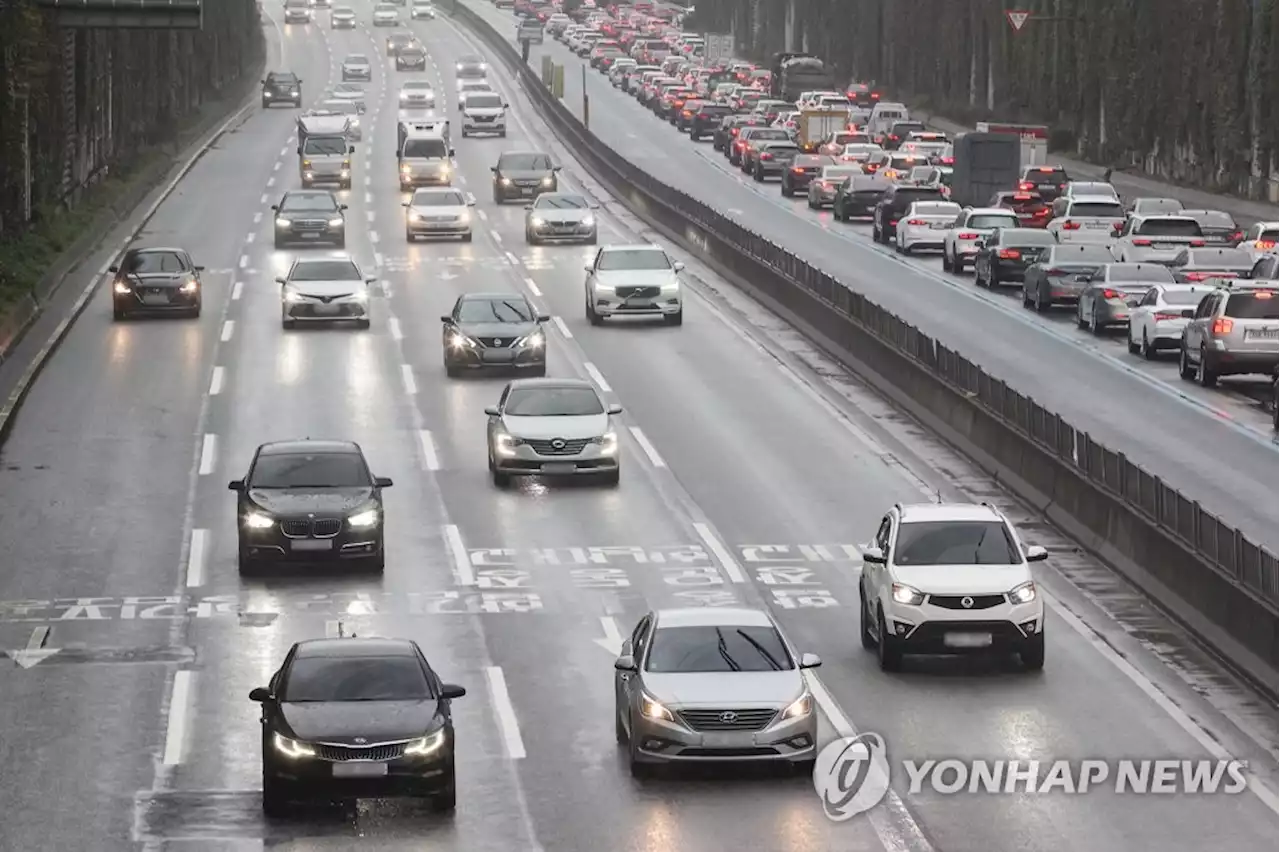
[1034,139]
[814,125]
[985,163]
[796,73]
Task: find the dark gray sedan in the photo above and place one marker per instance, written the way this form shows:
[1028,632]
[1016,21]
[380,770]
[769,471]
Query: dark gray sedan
[1219,227]
[1194,265]
[1061,275]
[1114,291]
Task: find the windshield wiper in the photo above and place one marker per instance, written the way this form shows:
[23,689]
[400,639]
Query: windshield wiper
[777,667]
[723,648]
[977,547]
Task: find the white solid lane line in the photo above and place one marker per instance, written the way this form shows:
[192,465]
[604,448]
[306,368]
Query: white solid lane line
[208,454]
[462,567]
[596,376]
[236,290]
[726,559]
[564,329]
[533,286]
[196,555]
[244,261]
[649,449]
[215,383]
[410,383]
[393,326]
[179,707]
[228,329]
[506,713]
[430,459]
[512,259]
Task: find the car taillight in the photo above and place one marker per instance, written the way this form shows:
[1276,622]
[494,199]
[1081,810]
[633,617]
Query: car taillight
[967,235]
[688,114]
[875,96]
[893,222]
[1223,325]
[916,222]
[1026,186]
[1197,243]
[1237,236]
[1010,254]
[1043,211]
[733,131]
[948,161]
[1160,316]
[893,138]
[766,156]
[797,170]
[872,166]
[1110,294]
[1142,242]
[1265,245]
[1199,276]
[1070,226]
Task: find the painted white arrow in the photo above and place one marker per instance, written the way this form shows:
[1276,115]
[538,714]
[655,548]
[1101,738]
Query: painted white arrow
[35,652]
[612,641]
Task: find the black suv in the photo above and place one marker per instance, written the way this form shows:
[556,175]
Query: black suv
[893,204]
[310,216]
[281,87]
[523,174]
[706,119]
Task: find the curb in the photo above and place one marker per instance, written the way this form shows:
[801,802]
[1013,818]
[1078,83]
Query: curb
[9,411]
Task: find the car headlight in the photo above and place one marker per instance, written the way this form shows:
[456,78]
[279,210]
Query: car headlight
[355,122]
[361,295]
[458,67]
[506,181]
[588,221]
[464,216]
[336,222]
[907,595]
[415,217]
[507,443]
[535,340]
[258,521]
[653,710]
[537,221]
[291,295]
[426,745]
[293,748]
[444,169]
[282,222]
[122,287]
[608,442]
[548,180]
[406,169]
[190,286]
[460,341]
[799,708]
[365,519]
[1024,593]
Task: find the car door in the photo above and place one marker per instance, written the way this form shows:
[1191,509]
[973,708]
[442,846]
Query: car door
[1140,316]
[495,420]
[627,685]
[1097,282]
[982,261]
[1193,335]
[591,271]
[872,573]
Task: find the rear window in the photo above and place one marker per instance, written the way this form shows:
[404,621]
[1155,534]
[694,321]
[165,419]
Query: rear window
[1083,254]
[1170,228]
[1053,176]
[765,135]
[1224,259]
[1140,272]
[1259,304]
[989,220]
[1097,210]
[1183,297]
[906,195]
[1271,236]
[713,109]
[1213,219]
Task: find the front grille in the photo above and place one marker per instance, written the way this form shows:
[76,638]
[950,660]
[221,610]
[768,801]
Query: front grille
[955,601]
[639,292]
[340,754]
[296,529]
[322,528]
[440,218]
[545,447]
[311,224]
[534,182]
[757,751]
[496,342]
[727,720]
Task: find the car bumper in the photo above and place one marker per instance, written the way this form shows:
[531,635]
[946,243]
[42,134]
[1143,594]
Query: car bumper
[417,103]
[441,229]
[1238,362]
[484,126]
[312,177]
[316,311]
[475,358]
[365,75]
[385,22]
[297,19]
[273,545]
[1011,270]
[1086,237]
[565,233]
[929,629]
[403,64]
[339,24]
[425,179]
[313,779]
[418,16]
[518,191]
[823,198]
[175,301]
[296,100]
[328,236]
[917,237]
[611,305]
[659,741]
[523,461]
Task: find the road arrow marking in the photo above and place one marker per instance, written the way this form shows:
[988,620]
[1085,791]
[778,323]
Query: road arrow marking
[612,641]
[35,652]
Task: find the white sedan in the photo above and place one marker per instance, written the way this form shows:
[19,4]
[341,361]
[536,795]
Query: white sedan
[925,225]
[1157,321]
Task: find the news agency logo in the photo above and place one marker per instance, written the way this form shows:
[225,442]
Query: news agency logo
[852,775]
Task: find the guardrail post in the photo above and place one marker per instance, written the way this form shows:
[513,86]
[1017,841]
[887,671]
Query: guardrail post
[547,70]
[557,83]
[586,101]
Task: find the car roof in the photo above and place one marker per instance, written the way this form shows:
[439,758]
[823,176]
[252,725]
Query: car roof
[487,297]
[155,250]
[309,447]
[1093,199]
[523,384]
[713,616]
[355,647]
[631,247]
[911,513]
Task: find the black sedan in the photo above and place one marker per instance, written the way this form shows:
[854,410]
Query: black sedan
[1062,274]
[858,196]
[310,216]
[347,719]
[523,174]
[1006,254]
[155,281]
[803,169]
[494,330]
[306,501]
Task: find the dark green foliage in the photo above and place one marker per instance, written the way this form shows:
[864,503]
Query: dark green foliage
[1182,89]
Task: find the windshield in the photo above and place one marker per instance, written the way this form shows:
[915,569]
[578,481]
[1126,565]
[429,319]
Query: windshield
[1139,272]
[326,145]
[769,135]
[357,59]
[356,679]
[553,402]
[1097,210]
[1039,177]
[691,650]
[283,80]
[937,209]
[633,259]
[325,270]
[514,309]
[428,149]
[955,543]
[316,470]
[1260,304]
[525,162]
[484,100]
[1169,228]
[309,202]
[417,86]
[157,261]
[343,107]
[561,202]
[427,198]
[1213,219]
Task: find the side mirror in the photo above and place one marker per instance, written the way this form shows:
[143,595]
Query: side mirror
[299,150]
[810,661]
[678,266]
[261,695]
[281,281]
[451,690]
[371,279]
[382,482]
[588,268]
[615,408]
[493,169]
[556,168]
[342,207]
[874,555]
[528,207]
[979,244]
[235,485]
[1036,553]
[506,106]
[275,207]
[351,149]
[491,410]
[113,269]
[544,317]
[471,204]
[404,204]
[446,319]
[625,663]
[452,152]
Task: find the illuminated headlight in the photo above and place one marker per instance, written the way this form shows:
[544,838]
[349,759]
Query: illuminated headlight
[608,443]
[362,296]
[547,181]
[282,222]
[537,221]
[588,222]
[444,170]
[458,67]
[506,181]
[268,95]
[293,748]
[534,340]
[291,295]
[355,122]
[415,217]
[309,175]
[426,745]
[907,595]
[464,216]
[335,223]
[406,169]
[507,444]
[345,173]
[365,519]
[123,288]
[190,286]
[1022,594]
[258,521]
[799,708]
[653,710]
[460,341]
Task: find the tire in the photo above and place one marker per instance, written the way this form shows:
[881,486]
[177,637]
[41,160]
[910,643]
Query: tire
[612,478]
[194,313]
[1185,369]
[1095,328]
[864,625]
[502,134]
[947,266]
[787,192]
[619,729]
[639,769]
[274,802]
[246,565]
[452,371]
[285,322]
[694,136]
[377,564]
[957,266]
[875,232]
[592,316]
[497,197]
[1081,322]
[118,314]
[500,479]
[1148,351]
[993,276]
[530,239]
[1032,653]
[904,250]
[1206,376]
[1026,300]
[812,206]
[1134,348]
[1038,304]
[363,324]
[674,319]
[446,801]
[887,649]
[408,236]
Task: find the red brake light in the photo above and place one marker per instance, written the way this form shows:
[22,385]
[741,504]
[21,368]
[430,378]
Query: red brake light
[1237,236]
[1070,226]
[1110,294]
[688,114]
[916,222]
[1010,254]
[733,131]
[1197,243]
[1026,185]
[798,170]
[875,96]
[1022,196]
[967,235]
[894,137]
[1223,325]
[1265,245]
[1198,276]
[948,161]
[1262,294]
[1045,171]
[1043,211]
[766,156]
[893,222]
[1141,242]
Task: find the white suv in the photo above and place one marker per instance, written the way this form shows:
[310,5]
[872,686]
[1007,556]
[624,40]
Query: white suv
[950,578]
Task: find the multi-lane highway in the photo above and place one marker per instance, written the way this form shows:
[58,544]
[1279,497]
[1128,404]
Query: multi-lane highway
[1140,408]
[750,468]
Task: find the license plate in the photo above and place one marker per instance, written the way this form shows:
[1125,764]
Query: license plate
[311,544]
[155,299]
[1097,226]
[1262,333]
[359,770]
[724,741]
[498,357]
[559,467]
[526,190]
[310,235]
[326,310]
[967,640]
[940,226]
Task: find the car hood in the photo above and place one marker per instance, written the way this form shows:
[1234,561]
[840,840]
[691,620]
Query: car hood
[493,330]
[385,13]
[344,16]
[556,214]
[637,278]
[961,579]
[587,426]
[356,66]
[299,501]
[428,94]
[342,721]
[725,689]
[438,210]
[328,288]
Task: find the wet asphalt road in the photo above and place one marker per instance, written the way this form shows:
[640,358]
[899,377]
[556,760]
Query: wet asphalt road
[1140,408]
[745,479]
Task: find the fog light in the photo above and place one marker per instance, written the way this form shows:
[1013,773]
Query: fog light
[1029,627]
[902,628]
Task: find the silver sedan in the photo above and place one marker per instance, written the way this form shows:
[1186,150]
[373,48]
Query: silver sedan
[559,216]
[552,428]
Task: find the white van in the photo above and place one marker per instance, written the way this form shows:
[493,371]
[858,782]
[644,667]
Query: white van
[883,116]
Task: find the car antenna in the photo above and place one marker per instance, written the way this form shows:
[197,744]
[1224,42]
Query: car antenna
[937,496]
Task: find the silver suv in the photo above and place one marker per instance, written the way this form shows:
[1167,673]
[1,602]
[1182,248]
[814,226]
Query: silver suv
[1235,331]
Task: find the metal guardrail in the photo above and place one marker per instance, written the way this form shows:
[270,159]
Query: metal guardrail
[1218,544]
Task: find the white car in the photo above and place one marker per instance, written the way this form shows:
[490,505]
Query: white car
[1083,189]
[422,10]
[386,15]
[960,242]
[1157,321]
[357,67]
[552,428]
[351,109]
[417,94]
[1157,239]
[353,92]
[469,87]
[634,281]
[325,289]
[950,579]
[924,225]
[342,18]
[437,212]
[1089,219]
[1261,238]
[483,112]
